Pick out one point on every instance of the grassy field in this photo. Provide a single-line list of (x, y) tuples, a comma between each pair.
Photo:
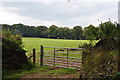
[(30, 43)]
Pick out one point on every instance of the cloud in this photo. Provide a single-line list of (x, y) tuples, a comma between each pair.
[(12, 18), (59, 13), (59, 0)]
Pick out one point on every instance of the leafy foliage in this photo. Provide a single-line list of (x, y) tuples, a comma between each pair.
[(13, 54), (90, 32), (100, 61), (104, 30), (108, 30)]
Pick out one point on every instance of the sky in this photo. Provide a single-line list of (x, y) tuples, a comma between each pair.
[(58, 12)]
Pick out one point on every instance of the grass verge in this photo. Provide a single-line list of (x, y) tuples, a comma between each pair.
[(43, 72)]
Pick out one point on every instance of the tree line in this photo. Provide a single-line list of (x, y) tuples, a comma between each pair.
[(104, 30)]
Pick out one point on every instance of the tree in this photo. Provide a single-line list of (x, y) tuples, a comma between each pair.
[(66, 32), (77, 32), (32, 32), (108, 30), (6, 26), (40, 31), (52, 31), (90, 32), (23, 29)]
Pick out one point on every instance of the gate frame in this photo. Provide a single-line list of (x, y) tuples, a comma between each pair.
[(42, 54)]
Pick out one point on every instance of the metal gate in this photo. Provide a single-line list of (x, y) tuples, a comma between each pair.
[(61, 57)]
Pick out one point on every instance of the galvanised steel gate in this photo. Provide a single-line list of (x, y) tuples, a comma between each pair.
[(61, 57)]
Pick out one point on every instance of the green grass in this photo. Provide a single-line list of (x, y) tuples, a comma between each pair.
[(62, 71), (31, 43), (41, 72), (20, 73)]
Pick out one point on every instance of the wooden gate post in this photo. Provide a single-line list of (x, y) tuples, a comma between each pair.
[(41, 55), (34, 57)]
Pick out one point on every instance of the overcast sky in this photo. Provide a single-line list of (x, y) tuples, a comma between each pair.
[(62, 13)]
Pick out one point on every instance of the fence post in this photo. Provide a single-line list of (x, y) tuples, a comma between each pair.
[(34, 57), (41, 56), (54, 56), (67, 57)]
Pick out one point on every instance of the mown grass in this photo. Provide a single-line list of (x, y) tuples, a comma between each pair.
[(30, 43)]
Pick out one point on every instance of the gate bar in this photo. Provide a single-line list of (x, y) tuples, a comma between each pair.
[(67, 58), (54, 56)]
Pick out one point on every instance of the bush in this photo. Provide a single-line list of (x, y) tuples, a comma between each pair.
[(100, 61), (13, 54)]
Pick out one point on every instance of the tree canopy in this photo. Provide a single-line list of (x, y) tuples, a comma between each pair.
[(104, 30)]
